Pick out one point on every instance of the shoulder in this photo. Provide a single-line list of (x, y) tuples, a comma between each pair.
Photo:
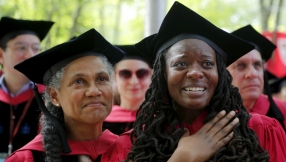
[(261, 120), (21, 156), (119, 150), (24, 154)]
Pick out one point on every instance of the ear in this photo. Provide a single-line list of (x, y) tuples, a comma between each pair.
[(54, 95), (1, 56)]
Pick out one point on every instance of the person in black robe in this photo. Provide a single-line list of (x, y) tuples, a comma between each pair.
[(19, 114)]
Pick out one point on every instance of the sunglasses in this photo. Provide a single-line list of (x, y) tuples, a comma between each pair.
[(140, 74)]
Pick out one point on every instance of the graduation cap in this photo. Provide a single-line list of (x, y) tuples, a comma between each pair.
[(9, 25), (40, 68), (183, 23), (143, 49), (261, 43), (133, 53)]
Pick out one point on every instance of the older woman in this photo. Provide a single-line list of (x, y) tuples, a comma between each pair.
[(190, 85), (79, 95)]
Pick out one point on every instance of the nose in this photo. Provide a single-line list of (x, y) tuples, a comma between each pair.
[(251, 72), (195, 72), (29, 53), (93, 91), (134, 79)]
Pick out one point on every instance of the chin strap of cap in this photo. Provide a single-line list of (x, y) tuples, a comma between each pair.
[(60, 129), (273, 111)]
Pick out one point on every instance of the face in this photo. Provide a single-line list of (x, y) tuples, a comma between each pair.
[(18, 49), (247, 73), (86, 93), (191, 72), (133, 78)]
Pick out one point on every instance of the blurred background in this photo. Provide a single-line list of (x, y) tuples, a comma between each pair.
[(124, 21), (129, 21)]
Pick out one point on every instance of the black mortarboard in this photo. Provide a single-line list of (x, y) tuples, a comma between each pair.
[(143, 48), (261, 43), (9, 25), (182, 23), (43, 66), (132, 53)]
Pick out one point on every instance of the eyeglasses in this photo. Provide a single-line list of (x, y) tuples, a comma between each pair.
[(127, 74), (23, 47)]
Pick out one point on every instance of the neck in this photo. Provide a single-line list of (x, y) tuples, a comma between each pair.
[(83, 132), (14, 85), (248, 103), (188, 116), (130, 105)]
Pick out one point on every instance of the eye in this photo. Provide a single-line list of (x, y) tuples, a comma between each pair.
[(180, 64), (257, 65), (103, 79), (36, 49), (241, 66), (208, 64), (79, 81), (21, 47)]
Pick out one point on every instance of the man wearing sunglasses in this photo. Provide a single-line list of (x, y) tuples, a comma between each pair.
[(132, 78), (19, 114)]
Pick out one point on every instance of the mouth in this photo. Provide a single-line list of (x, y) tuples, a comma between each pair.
[(94, 104), (194, 89)]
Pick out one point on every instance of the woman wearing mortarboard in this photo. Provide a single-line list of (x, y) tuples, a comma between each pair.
[(132, 77), (190, 86), (19, 113)]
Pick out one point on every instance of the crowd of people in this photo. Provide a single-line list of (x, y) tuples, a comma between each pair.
[(190, 92)]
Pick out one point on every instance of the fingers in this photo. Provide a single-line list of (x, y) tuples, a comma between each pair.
[(228, 128), (211, 123), (224, 141), (218, 127)]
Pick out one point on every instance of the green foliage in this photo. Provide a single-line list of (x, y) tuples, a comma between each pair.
[(121, 21)]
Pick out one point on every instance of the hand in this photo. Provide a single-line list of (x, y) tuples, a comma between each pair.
[(202, 145)]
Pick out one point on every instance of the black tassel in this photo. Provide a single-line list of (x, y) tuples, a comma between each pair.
[(273, 111)]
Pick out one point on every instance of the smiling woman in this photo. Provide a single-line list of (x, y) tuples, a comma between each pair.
[(190, 86), (78, 98)]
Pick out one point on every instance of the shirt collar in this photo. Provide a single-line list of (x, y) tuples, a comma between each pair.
[(23, 89)]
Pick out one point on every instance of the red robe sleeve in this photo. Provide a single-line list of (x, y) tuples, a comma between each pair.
[(270, 135)]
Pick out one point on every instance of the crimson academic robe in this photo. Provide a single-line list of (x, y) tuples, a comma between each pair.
[(28, 127), (262, 105), (268, 130), (105, 149), (119, 120)]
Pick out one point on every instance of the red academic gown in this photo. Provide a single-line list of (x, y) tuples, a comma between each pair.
[(268, 130), (27, 128), (105, 148), (119, 120), (262, 105)]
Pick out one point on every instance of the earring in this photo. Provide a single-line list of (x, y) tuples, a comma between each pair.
[(58, 105)]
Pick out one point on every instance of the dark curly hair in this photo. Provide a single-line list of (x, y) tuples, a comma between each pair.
[(153, 141)]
